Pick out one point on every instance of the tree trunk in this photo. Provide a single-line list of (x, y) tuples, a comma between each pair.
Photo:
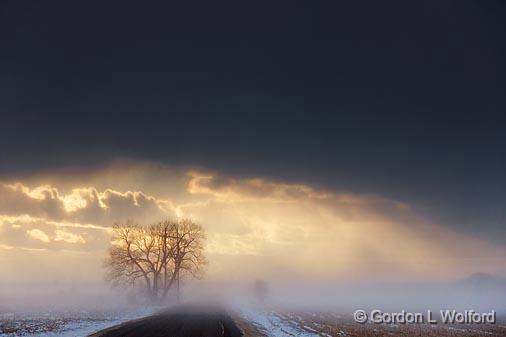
[(169, 285), (178, 289)]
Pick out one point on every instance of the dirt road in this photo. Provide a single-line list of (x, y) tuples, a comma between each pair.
[(179, 322)]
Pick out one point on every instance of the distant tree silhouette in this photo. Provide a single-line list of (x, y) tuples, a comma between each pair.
[(155, 256), (260, 290)]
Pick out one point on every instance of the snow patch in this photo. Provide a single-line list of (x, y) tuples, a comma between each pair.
[(274, 325)]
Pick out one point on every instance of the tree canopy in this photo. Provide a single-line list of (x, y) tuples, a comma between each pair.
[(155, 256)]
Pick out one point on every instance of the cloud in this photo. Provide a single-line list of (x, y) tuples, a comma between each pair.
[(61, 235), (45, 216), (41, 201), (279, 229), (37, 234), (83, 205), (256, 189), (327, 234), (23, 231)]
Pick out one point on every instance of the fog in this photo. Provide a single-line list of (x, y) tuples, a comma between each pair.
[(479, 292), (59, 297)]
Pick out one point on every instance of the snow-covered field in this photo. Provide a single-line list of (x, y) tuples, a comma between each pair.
[(74, 323), (270, 322), (307, 323)]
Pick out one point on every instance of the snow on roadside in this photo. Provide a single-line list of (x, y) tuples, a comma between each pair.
[(272, 324), (70, 324)]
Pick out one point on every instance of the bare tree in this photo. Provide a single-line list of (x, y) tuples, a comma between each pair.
[(188, 251), (155, 256)]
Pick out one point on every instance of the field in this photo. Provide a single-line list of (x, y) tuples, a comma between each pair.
[(73, 323), (314, 323), (254, 322)]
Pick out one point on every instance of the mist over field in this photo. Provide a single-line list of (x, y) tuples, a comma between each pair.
[(481, 292)]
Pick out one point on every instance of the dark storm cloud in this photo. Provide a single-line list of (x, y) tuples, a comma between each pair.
[(400, 99)]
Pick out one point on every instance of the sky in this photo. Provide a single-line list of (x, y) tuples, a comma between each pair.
[(372, 129)]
